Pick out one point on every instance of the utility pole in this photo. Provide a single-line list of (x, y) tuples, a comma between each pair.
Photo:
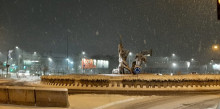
[(67, 52), (7, 65)]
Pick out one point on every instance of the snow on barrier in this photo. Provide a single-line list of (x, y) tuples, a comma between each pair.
[(130, 83), (52, 97)]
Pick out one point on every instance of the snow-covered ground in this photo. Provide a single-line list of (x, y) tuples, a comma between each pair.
[(24, 81), (28, 79), (106, 101)]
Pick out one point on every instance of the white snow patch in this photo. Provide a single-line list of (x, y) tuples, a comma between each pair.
[(117, 102)]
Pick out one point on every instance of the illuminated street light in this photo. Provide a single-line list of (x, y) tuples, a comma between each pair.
[(192, 59), (174, 64), (50, 59), (188, 64), (83, 53), (16, 47), (215, 47), (130, 54), (35, 53), (173, 54)]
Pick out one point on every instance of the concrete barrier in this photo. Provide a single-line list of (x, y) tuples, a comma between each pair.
[(4, 94), (51, 97), (21, 95)]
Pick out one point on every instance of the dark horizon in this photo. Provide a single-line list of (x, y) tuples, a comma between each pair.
[(186, 28)]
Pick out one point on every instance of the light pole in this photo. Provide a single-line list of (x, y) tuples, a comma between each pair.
[(130, 54), (174, 66), (20, 56), (83, 55), (7, 62), (67, 60), (50, 60), (67, 53), (188, 65)]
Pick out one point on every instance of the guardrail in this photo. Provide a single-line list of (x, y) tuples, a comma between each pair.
[(135, 83), (52, 97)]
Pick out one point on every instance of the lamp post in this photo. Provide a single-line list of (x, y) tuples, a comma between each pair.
[(130, 54), (83, 55), (174, 66), (7, 62), (188, 65), (50, 62)]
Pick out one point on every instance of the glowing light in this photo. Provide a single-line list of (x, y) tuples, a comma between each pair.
[(50, 59), (216, 67), (16, 47), (130, 53), (83, 53), (215, 47), (188, 64), (173, 54), (174, 64)]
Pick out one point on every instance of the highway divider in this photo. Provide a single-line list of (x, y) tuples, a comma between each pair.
[(31, 96)]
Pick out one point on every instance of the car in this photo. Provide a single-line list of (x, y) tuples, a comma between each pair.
[(160, 74), (23, 73), (194, 73), (115, 71)]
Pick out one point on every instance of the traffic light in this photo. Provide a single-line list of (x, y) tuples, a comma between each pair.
[(218, 9)]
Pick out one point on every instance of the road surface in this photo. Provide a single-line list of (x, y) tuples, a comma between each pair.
[(171, 102), (106, 101), (114, 101)]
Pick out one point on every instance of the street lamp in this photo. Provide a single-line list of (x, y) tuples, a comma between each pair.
[(16, 47), (130, 54), (188, 65), (173, 54), (83, 53), (82, 61), (192, 59), (215, 47), (50, 59), (174, 65)]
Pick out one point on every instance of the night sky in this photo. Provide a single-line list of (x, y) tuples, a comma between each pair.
[(187, 28)]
